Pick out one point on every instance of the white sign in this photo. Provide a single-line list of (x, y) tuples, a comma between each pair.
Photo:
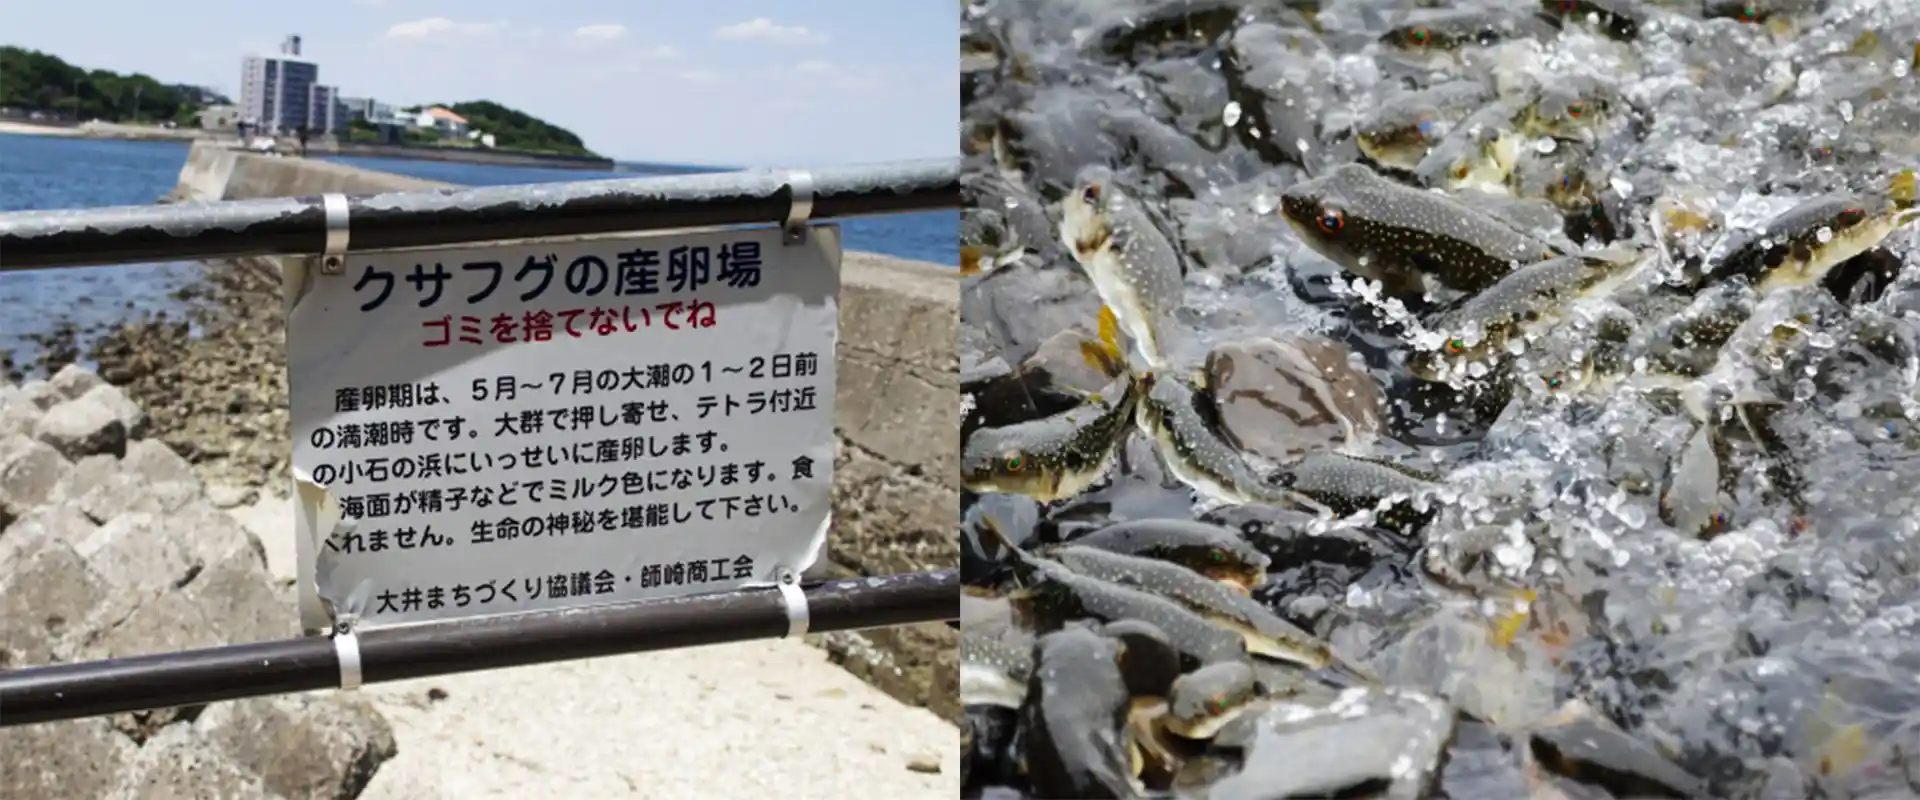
[(550, 425)]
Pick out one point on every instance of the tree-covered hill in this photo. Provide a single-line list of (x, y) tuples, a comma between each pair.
[(513, 129), (34, 81)]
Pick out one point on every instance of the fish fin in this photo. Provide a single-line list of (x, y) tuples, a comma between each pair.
[(1000, 538), (1096, 357), (970, 260), (1109, 331), (1507, 625), (1901, 186)]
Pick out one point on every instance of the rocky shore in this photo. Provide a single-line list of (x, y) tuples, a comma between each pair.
[(219, 398), (110, 547)]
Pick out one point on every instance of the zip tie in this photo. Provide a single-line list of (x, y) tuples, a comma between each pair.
[(332, 259), (795, 602), (800, 183), (347, 647)]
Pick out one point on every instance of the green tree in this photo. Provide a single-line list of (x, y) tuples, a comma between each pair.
[(513, 129), (36, 81)]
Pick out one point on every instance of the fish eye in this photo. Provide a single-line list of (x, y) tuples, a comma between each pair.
[(1576, 110), (1822, 153), (1456, 345), (1553, 381), (1460, 171), (1852, 217), (1015, 462), (1569, 6), (1219, 557), (1217, 706), (1419, 36), (1091, 196), (1332, 220), (1718, 522), (1749, 13)]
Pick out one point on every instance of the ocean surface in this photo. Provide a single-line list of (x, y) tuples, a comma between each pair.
[(40, 172)]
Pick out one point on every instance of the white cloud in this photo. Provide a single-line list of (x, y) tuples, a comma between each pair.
[(432, 27), (606, 31), (765, 30), (699, 76), (813, 67)]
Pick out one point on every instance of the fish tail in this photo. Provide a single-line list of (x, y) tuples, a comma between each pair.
[(1901, 188), (1109, 329)]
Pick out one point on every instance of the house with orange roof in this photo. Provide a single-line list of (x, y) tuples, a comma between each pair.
[(442, 120)]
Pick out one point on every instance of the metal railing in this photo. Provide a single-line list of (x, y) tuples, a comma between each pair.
[(311, 226)]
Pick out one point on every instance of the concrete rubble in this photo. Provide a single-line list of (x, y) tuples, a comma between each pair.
[(111, 547)]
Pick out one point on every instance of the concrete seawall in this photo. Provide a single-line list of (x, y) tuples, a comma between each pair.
[(896, 486)]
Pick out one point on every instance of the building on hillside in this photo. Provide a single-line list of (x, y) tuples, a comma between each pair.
[(442, 121), (224, 118), (276, 92), (373, 111), (325, 112)]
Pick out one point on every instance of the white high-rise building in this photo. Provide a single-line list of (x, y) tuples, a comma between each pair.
[(277, 92)]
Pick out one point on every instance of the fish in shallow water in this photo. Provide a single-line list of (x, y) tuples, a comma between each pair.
[(1196, 455), (1206, 699), (1398, 133), (1575, 108), (1619, 19), (1075, 721), (1347, 484), (1056, 596), (1802, 244), (1052, 457), (1424, 33), (1212, 550), (1127, 257), (993, 671), (1478, 154), (1386, 231), (1488, 326), (1266, 633)]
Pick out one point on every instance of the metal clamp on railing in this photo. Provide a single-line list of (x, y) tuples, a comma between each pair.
[(800, 184), (795, 603), (346, 647), (334, 258)]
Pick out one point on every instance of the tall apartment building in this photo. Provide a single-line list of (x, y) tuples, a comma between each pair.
[(276, 92), (326, 112)]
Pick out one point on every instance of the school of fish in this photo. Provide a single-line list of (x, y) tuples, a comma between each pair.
[(1424, 399)]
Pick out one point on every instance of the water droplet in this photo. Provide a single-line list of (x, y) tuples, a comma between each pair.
[(1545, 145), (1825, 234), (1264, 203), (1011, 203), (1231, 115)]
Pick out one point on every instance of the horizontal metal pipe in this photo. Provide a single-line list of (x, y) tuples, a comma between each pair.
[(293, 226), (195, 677)]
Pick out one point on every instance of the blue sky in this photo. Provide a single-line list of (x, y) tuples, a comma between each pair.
[(736, 82)]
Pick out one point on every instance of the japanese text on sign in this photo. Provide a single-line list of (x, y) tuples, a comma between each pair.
[(609, 420)]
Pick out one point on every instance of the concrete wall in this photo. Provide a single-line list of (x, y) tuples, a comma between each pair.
[(469, 156), (896, 485)]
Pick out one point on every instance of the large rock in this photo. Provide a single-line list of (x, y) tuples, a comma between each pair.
[(41, 394), (49, 600), (84, 426), (303, 746), (74, 380), (178, 763), (29, 472), (76, 760), (18, 413)]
